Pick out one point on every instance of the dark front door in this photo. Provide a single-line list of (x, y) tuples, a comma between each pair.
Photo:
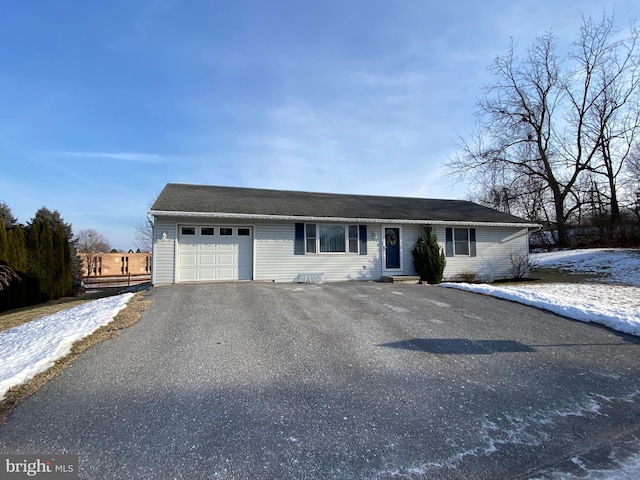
[(392, 247)]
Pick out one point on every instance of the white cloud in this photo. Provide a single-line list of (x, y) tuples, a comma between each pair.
[(121, 156)]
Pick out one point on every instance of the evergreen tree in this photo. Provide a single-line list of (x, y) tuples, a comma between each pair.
[(48, 263), (6, 216), (4, 243), (17, 254), (17, 259), (6, 272), (428, 258), (53, 219), (61, 264), (34, 264)]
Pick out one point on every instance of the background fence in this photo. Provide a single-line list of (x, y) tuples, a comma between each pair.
[(110, 281)]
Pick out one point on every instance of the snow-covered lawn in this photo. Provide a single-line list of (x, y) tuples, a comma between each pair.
[(33, 347), (621, 266), (612, 298)]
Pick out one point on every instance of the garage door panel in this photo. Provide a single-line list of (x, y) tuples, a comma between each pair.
[(226, 259), (227, 273), (188, 274), (207, 260), (214, 256), (207, 274), (188, 260)]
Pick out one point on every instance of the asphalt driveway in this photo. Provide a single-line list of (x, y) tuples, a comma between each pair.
[(350, 380)]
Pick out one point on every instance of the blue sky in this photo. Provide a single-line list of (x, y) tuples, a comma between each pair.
[(103, 103)]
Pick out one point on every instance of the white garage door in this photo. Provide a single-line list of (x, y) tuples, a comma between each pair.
[(214, 253)]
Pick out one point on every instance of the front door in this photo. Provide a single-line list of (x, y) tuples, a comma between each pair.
[(392, 248)]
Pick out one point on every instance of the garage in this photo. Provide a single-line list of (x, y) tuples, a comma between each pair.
[(207, 253)]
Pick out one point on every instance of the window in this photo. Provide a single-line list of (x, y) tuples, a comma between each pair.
[(188, 230), (331, 238), (311, 237), (244, 232), (461, 241), (353, 239), (226, 231), (207, 231), (124, 265)]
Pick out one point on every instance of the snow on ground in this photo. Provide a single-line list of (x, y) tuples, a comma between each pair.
[(612, 265), (33, 347), (616, 306)]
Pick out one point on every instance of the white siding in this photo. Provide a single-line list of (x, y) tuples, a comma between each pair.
[(274, 244), (410, 235), (162, 272), (494, 245), (274, 259)]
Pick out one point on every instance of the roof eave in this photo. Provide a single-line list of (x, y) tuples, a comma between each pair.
[(311, 218)]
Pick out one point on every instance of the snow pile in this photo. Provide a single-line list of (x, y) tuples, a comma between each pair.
[(33, 347), (616, 306)]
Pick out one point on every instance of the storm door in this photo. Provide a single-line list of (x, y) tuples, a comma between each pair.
[(392, 248)]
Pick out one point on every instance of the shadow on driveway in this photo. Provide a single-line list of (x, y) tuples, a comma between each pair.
[(459, 346)]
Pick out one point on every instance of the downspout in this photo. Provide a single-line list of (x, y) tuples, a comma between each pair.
[(153, 246)]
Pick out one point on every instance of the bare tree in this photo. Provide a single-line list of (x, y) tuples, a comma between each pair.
[(632, 182), (609, 66), (7, 274), (516, 135), (90, 244), (143, 235), (143, 230), (552, 119)]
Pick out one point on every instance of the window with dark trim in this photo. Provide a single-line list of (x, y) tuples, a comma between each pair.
[(353, 239), (311, 237), (331, 238), (460, 242)]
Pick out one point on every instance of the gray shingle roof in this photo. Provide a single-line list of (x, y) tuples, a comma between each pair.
[(202, 199)]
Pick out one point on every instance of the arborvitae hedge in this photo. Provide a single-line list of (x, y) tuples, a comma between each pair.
[(4, 243), (42, 256)]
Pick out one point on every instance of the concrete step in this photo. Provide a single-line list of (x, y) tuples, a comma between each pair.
[(401, 278)]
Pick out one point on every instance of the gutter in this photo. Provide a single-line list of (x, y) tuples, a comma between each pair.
[(310, 218)]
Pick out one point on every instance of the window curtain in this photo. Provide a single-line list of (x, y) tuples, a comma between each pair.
[(332, 238)]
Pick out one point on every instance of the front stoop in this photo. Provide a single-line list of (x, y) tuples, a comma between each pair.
[(401, 279)]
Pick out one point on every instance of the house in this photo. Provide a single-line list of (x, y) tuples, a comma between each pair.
[(207, 233)]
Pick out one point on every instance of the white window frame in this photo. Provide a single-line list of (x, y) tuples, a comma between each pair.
[(455, 242), (347, 239)]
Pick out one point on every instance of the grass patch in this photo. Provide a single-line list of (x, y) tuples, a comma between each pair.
[(124, 319)]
